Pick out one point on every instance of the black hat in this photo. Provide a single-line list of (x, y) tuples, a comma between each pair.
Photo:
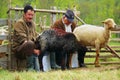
[(70, 15)]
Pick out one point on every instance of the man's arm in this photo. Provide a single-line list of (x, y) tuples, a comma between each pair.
[(20, 32)]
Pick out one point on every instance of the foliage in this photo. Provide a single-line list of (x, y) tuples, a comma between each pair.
[(92, 11), (96, 11), (3, 8)]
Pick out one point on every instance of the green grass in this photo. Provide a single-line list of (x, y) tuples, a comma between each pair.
[(114, 43), (105, 72), (90, 73)]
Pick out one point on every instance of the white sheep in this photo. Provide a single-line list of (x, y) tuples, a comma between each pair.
[(98, 37)]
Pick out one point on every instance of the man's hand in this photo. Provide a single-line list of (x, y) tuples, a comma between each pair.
[(36, 51)]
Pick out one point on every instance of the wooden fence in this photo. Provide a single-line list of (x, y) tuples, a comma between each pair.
[(3, 48), (10, 21)]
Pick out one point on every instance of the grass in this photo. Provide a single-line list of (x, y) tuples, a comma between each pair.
[(114, 43), (105, 72), (90, 73)]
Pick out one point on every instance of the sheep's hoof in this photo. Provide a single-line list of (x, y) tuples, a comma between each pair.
[(62, 68), (83, 65), (97, 65)]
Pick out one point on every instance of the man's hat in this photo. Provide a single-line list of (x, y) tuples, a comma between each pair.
[(70, 15)]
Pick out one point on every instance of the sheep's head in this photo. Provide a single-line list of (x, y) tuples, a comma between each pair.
[(109, 23)]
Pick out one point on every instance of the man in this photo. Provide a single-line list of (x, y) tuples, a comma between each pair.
[(24, 36), (67, 24)]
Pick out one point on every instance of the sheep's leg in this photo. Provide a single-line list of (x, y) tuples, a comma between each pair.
[(97, 64), (81, 54), (97, 56), (69, 58), (63, 61), (40, 61)]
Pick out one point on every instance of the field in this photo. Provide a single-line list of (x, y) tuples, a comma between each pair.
[(105, 72), (108, 72)]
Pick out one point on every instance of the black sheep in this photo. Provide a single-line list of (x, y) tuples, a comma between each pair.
[(50, 41)]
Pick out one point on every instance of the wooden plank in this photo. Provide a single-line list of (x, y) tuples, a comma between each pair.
[(90, 63), (115, 39), (102, 51), (92, 49), (80, 19), (48, 11), (103, 56), (115, 46), (3, 54), (113, 51), (3, 48), (40, 10), (117, 28), (2, 37), (3, 22), (4, 62), (115, 32)]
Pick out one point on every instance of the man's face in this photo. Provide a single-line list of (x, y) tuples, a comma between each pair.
[(29, 15), (66, 21)]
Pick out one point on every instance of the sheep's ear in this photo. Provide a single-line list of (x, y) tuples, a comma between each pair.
[(103, 22)]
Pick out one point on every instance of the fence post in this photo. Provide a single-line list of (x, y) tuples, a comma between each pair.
[(9, 36), (16, 14), (40, 24), (77, 13), (35, 14), (53, 15), (44, 22)]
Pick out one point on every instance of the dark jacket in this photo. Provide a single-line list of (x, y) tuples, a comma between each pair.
[(60, 28)]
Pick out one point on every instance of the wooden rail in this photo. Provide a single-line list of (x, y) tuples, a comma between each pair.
[(3, 48), (102, 51), (3, 22), (48, 11), (90, 63), (101, 56), (39, 10)]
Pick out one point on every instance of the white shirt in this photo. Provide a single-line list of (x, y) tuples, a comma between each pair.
[(67, 27)]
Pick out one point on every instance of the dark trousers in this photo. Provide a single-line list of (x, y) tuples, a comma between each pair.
[(26, 51)]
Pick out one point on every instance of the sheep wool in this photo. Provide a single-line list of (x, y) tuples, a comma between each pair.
[(96, 36)]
